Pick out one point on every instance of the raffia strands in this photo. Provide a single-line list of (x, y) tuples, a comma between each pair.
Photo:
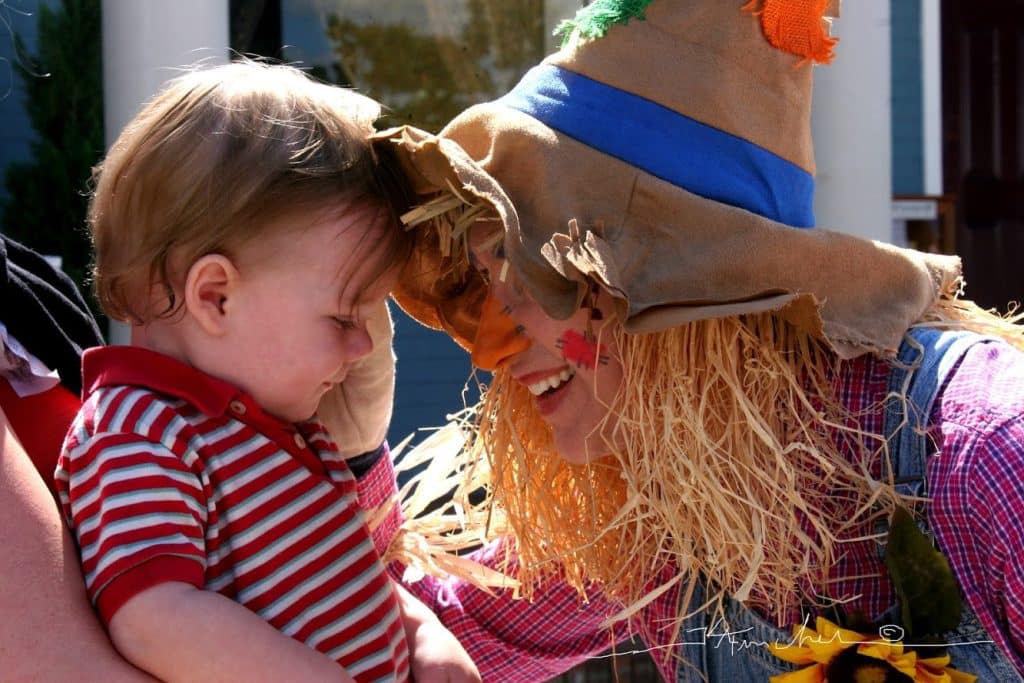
[(552, 507), (431, 538), (449, 215), (737, 468), (748, 435), (951, 312)]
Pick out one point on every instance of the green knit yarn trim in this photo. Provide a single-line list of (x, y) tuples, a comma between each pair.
[(594, 20)]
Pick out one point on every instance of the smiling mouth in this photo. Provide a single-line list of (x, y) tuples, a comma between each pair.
[(551, 383)]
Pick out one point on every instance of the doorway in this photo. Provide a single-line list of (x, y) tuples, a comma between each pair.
[(983, 105)]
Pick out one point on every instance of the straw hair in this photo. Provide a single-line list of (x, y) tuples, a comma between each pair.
[(215, 159), (431, 538), (742, 466), (731, 429)]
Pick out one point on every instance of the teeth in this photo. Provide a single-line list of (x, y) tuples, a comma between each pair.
[(552, 382)]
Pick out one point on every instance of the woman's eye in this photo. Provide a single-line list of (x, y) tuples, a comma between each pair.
[(474, 262)]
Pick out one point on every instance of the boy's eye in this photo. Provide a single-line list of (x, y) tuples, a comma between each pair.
[(345, 323)]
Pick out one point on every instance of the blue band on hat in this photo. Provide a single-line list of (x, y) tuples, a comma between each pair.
[(685, 152)]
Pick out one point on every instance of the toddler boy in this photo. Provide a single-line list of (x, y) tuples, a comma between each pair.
[(244, 226)]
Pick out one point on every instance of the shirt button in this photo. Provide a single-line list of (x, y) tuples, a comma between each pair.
[(237, 407), (299, 441)]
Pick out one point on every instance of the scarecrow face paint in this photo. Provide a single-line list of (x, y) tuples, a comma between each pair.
[(581, 349), (567, 366)]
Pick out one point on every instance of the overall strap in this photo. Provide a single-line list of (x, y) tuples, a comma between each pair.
[(925, 359)]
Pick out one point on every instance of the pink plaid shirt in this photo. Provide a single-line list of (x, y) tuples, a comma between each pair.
[(975, 514)]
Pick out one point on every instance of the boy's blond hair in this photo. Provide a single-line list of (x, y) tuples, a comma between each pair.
[(216, 158)]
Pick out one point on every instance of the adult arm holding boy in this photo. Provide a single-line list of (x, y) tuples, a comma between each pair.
[(179, 632), (46, 324), (193, 624), (43, 587)]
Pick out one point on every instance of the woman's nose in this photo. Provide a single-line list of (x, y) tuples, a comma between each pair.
[(497, 336)]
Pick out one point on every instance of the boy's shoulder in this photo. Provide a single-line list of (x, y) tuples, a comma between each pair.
[(125, 410)]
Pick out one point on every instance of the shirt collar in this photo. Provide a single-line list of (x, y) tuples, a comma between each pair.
[(135, 366)]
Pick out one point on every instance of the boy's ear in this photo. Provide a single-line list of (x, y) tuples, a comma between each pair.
[(210, 281)]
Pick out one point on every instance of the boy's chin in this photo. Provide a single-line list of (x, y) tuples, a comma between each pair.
[(294, 415)]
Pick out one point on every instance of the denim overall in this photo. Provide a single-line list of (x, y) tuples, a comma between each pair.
[(712, 652)]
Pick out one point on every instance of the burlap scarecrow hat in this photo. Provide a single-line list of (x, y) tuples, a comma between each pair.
[(664, 153)]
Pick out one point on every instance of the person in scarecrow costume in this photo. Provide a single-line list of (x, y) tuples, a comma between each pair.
[(709, 419)]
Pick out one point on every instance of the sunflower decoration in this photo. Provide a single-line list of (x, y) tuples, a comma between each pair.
[(839, 655), (929, 603)]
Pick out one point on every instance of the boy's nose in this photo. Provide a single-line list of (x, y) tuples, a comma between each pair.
[(360, 346), (497, 338)]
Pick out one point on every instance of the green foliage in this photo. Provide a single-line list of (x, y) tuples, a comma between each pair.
[(928, 594), (427, 78), (594, 20), (64, 90)]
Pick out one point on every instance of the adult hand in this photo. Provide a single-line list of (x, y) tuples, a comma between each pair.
[(357, 412), (436, 656)]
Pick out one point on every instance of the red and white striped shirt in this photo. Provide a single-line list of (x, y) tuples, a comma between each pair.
[(169, 474)]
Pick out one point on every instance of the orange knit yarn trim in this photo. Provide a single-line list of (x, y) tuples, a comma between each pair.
[(796, 26)]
